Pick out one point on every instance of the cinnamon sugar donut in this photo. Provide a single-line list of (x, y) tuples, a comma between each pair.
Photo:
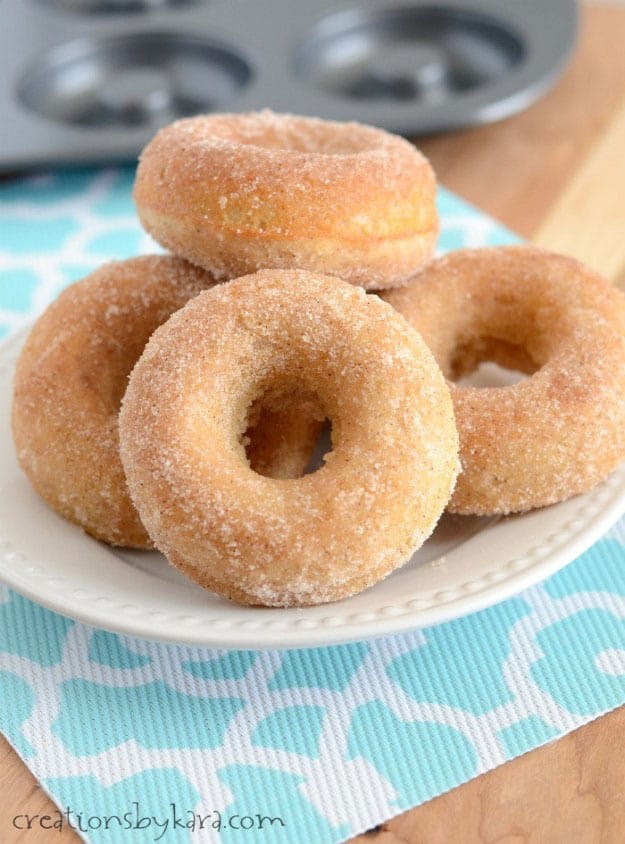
[(326, 535), (560, 431), (70, 378), (235, 193)]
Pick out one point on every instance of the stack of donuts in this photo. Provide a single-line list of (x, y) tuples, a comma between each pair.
[(174, 401)]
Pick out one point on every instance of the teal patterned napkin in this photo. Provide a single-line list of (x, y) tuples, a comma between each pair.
[(140, 741)]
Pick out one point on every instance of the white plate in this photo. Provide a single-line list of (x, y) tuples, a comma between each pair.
[(468, 564)]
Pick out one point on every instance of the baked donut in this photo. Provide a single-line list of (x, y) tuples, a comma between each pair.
[(71, 376), (235, 193), (320, 537), (558, 432)]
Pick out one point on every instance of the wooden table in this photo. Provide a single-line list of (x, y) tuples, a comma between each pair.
[(555, 174)]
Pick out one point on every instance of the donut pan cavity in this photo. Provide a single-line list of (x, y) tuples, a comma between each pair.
[(91, 80)]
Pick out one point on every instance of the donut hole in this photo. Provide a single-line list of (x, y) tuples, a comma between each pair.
[(490, 362), (322, 448), (287, 434)]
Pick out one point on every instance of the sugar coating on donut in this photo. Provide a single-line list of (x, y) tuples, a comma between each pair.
[(560, 431), (70, 379), (238, 193), (320, 537)]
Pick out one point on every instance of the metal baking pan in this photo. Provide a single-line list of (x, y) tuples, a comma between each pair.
[(92, 80)]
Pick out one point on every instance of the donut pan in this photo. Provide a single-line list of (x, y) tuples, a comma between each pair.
[(91, 80)]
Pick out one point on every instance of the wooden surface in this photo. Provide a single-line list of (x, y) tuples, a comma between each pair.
[(556, 174), (516, 170)]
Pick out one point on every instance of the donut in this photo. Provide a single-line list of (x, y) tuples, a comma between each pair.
[(562, 429), (69, 381), (236, 193), (326, 535)]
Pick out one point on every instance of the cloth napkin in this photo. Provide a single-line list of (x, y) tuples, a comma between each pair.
[(140, 741)]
